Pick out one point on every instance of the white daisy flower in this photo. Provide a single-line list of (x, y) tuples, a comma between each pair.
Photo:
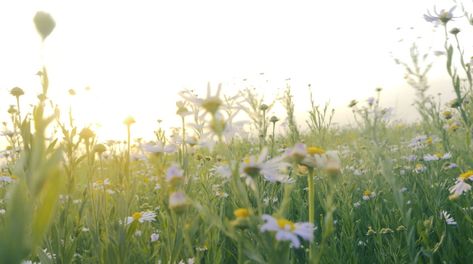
[(270, 170), (430, 157), (448, 219), (287, 230), (459, 188), (460, 185), (367, 195), (439, 17), (141, 217)]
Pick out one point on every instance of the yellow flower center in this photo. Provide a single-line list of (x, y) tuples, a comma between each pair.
[(241, 213), (136, 216), (429, 140), (315, 151), (283, 223), (367, 193), (438, 155), (212, 104), (465, 175)]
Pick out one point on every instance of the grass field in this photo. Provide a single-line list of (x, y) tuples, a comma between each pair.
[(234, 184)]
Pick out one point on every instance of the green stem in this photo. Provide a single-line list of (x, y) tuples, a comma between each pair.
[(310, 183)]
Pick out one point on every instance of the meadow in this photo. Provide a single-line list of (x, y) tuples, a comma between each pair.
[(235, 184)]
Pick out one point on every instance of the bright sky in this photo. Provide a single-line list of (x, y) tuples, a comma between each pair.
[(136, 55)]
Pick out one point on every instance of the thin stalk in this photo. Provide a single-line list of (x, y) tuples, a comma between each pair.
[(310, 183)]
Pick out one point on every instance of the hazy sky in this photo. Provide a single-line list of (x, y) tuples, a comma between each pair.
[(136, 55)]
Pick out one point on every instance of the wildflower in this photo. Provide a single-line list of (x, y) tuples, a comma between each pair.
[(174, 175), (141, 217), (2, 211), (315, 158), (467, 175), (357, 204), (129, 121), (178, 202), (454, 31), (263, 107), (6, 179), (100, 148), (241, 213), (241, 218), (287, 230), (367, 195), (448, 219), (419, 168), (430, 157), (17, 92), (253, 166), (439, 17), (101, 184), (274, 119), (154, 237), (370, 101), (182, 109), (296, 153), (449, 166), (86, 133), (460, 185), (211, 104)]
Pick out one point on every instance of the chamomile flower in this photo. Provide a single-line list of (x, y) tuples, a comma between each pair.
[(368, 195), (460, 185), (145, 216), (211, 103), (287, 230), (439, 17), (448, 219), (270, 169)]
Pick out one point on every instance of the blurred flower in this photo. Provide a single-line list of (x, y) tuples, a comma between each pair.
[(448, 219), (270, 169), (439, 17), (17, 92), (460, 185), (211, 103), (129, 121), (241, 213), (141, 217), (174, 175), (367, 195), (178, 202), (287, 230), (154, 237)]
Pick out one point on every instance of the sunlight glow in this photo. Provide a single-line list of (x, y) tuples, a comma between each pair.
[(136, 56)]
